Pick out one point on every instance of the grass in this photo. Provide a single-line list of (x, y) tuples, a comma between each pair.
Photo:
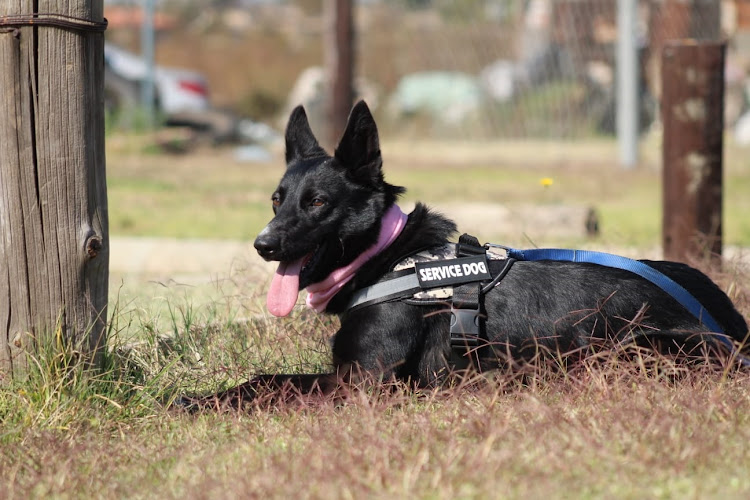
[(610, 427), (613, 428), (210, 195)]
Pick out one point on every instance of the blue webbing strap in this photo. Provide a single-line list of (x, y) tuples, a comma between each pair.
[(645, 271)]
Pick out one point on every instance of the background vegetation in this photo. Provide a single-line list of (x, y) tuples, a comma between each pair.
[(209, 194)]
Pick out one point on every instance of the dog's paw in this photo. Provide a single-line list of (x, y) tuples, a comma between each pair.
[(190, 404)]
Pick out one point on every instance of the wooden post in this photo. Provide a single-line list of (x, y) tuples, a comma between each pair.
[(693, 115), (54, 237), (339, 52)]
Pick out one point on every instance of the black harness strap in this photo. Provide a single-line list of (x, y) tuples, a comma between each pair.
[(393, 286), (467, 324), (467, 316), (469, 274)]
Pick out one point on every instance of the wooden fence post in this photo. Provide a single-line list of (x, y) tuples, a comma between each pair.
[(339, 53), (693, 115), (54, 235)]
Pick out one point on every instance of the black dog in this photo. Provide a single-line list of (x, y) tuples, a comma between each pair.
[(337, 230)]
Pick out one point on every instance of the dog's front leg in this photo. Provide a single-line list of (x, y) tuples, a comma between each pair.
[(268, 389), (386, 342)]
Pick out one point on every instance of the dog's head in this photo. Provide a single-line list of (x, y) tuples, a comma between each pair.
[(327, 209)]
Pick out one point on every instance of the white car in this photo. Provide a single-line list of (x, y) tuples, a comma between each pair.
[(175, 90)]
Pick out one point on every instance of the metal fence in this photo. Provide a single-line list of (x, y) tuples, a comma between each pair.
[(528, 68)]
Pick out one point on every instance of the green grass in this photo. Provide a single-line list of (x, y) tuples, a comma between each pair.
[(210, 195), (609, 428), (203, 196)]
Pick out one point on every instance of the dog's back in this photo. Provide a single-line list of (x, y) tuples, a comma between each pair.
[(700, 286), (563, 306)]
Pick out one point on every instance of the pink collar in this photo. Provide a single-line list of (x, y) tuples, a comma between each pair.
[(320, 294)]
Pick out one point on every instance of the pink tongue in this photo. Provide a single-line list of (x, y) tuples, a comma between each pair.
[(282, 296)]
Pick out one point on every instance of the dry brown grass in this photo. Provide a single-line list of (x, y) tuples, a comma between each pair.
[(606, 431), (613, 426)]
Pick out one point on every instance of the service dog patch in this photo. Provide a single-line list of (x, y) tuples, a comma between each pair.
[(452, 271)]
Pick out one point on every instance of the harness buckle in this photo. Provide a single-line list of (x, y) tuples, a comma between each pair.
[(465, 327), (464, 337), (469, 245)]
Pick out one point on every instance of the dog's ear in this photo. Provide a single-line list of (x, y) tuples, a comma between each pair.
[(359, 148), (300, 141)]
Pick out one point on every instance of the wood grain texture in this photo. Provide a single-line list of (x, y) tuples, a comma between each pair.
[(53, 214)]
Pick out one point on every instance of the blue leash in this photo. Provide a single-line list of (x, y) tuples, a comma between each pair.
[(645, 271)]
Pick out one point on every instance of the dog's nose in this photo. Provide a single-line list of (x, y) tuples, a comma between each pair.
[(267, 245)]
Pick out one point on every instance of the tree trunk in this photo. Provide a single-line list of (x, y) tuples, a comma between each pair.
[(54, 236)]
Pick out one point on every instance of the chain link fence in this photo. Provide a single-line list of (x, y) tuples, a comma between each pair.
[(466, 69), (528, 68)]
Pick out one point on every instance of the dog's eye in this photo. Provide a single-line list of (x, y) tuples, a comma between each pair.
[(276, 200), (317, 202)]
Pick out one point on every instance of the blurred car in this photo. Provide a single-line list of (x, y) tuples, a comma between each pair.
[(180, 97), (176, 91)]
